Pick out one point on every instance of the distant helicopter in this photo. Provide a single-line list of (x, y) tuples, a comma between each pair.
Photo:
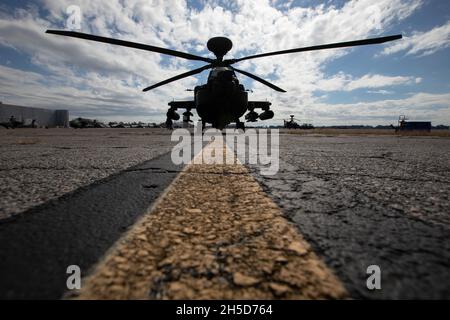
[(82, 123), (222, 100), (292, 124)]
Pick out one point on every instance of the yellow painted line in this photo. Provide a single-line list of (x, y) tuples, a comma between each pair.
[(214, 234)]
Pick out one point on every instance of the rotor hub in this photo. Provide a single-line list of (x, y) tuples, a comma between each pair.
[(219, 46)]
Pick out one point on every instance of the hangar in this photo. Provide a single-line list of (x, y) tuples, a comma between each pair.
[(405, 125), (26, 115)]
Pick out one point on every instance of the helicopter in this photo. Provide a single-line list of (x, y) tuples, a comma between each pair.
[(292, 124), (82, 123), (223, 99)]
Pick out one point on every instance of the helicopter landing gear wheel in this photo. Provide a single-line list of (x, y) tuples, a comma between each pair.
[(240, 125), (203, 124), (169, 124)]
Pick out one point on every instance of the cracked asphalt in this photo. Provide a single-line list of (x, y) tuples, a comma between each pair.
[(39, 165), (365, 200)]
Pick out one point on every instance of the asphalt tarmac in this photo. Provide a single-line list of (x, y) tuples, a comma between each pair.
[(76, 196), (371, 200), (38, 165)]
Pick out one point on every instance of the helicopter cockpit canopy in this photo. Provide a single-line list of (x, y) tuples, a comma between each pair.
[(225, 73)]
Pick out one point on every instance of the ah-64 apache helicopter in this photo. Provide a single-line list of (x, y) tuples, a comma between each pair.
[(222, 100)]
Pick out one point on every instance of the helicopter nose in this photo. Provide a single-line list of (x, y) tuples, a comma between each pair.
[(227, 75), (223, 87)]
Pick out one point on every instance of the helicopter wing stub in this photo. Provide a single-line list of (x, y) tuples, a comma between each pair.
[(129, 44), (178, 77), (190, 104), (267, 83), (323, 46), (258, 105)]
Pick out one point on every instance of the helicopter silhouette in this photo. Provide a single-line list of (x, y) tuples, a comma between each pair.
[(223, 99)]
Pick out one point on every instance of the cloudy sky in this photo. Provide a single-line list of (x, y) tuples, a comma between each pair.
[(364, 85)]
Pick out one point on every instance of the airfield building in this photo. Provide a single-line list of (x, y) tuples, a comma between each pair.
[(405, 125), (42, 117)]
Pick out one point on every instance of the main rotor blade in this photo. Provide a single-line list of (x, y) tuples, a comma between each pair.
[(248, 74), (325, 46), (178, 77), (129, 44)]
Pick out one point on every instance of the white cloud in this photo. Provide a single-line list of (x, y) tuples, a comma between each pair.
[(378, 81), (345, 82), (383, 92), (422, 43)]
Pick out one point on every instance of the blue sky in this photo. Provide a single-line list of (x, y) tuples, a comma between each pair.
[(365, 85)]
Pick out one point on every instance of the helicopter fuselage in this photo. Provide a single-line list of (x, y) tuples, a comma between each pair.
[(222, 99)]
